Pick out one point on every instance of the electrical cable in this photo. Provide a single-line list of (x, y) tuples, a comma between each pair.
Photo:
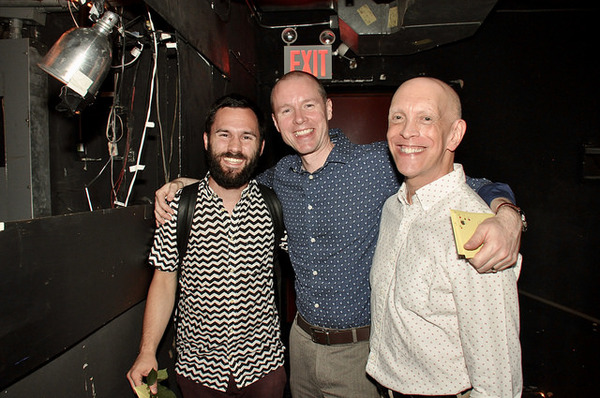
[(137, 166), (71, 12), (159, 123)]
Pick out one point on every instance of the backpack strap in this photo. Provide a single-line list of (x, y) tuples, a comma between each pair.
[(276, 212), (275, 209), (185, 214)]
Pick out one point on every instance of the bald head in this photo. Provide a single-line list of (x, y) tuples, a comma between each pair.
[(424, 130), (309, 79), (446, 98)]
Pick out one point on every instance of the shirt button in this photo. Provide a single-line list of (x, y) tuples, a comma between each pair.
[(310, 177), (315, 272), (316, 305), (313, 240), (310, 207)]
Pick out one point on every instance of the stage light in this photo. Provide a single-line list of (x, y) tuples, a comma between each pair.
[(289, 35), (81, 59), (327, 37)]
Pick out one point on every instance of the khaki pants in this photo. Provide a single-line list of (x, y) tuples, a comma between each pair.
[(318, 370)]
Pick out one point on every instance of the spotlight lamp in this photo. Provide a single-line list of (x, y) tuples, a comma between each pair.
[(289, 35), (327, 37), (81, 59)]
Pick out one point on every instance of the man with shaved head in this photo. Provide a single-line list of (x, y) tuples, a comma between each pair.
[(439, 329)]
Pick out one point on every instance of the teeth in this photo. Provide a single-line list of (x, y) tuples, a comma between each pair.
[(302, 132), (411, 149), (234, 160)]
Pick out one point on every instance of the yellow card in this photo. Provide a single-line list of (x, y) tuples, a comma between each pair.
[(464, 225)]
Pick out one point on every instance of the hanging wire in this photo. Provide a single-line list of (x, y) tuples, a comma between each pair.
[(71, 12), (138, 166)]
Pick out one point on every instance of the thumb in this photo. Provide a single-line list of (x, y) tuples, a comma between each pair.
[(154, 388), (475, 241)]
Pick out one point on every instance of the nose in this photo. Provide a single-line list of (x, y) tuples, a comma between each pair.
[(409, 129), (299, 117), (235, 144)]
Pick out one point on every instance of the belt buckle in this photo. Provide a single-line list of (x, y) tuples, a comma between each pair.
[(324, 331)]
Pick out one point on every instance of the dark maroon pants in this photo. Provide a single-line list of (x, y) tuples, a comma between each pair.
[(270, 386)]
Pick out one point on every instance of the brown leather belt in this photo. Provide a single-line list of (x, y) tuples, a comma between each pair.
[(327, 336), (400, 395)]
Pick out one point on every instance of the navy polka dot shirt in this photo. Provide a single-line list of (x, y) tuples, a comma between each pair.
[(332, 220)]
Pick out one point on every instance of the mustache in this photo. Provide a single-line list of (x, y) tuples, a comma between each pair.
[(232, 155)]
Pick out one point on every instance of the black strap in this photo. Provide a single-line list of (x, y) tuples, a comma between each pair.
[(185, 214), (275, 209)]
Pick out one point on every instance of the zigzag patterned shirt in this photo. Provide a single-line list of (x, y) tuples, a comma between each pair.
[(227, 318)]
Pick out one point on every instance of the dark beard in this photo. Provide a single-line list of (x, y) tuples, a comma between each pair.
[(226, 178)]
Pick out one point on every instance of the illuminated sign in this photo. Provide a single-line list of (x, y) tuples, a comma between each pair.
[(312, 59)]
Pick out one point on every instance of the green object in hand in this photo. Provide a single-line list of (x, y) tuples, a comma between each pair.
[(143, 390)]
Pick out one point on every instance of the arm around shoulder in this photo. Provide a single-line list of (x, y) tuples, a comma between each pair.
[(164, 195)]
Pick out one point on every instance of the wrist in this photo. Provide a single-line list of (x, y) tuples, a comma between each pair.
[(517, 210)]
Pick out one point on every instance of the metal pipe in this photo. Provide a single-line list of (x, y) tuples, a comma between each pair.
[(34, 3), (16, 27)]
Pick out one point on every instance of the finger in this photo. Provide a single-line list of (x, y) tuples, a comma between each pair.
[(134, 381), (485, 259), (158, 218), (154, 388)]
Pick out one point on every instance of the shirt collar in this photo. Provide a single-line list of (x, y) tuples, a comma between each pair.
[(427, 196)]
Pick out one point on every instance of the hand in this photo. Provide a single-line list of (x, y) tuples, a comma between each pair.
[(165, 194), (501, 239), (143, 364)]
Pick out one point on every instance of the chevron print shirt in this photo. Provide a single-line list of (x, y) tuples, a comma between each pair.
[(228, 322)]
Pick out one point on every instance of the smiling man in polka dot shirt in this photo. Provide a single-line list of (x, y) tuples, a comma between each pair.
[(438, 327), (332, 192)]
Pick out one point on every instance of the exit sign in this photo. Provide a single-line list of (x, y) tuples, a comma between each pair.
[(312, 59)]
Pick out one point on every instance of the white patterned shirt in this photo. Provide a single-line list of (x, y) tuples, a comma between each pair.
[(227, 318), (439, 327)]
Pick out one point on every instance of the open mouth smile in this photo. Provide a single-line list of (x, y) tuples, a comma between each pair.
[(410, 149), (304, 132)]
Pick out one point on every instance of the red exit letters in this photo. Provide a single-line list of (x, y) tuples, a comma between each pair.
[(312, 59)]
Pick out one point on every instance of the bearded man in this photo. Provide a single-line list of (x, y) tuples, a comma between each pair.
[(228, 336)]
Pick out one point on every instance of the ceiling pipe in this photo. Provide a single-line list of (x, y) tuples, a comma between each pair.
[(35, 4)]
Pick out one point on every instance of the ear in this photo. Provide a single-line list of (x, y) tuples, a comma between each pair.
[(275, 122), (206, 140), (262, 147), (329, 108), (457, 132)]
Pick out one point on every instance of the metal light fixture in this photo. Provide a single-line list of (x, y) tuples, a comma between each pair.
[(81, 59), (289, 35), (341, 52), (327, 37)]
